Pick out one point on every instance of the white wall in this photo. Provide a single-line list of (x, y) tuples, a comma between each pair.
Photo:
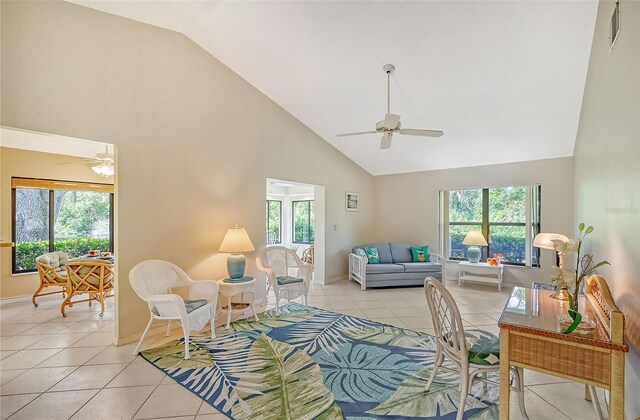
[(407, 204), (195, 141), (607, 172)]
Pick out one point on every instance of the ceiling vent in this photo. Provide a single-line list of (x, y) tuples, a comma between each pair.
[(614, 26)]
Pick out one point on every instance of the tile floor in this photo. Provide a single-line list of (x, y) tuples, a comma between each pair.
[(67, 368)]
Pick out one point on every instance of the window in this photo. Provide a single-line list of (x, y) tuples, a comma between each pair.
[(49, 216), (303, 222), (508, 216), (274, 222)]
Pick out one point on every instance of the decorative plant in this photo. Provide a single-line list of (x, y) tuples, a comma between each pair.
[(584, 267)]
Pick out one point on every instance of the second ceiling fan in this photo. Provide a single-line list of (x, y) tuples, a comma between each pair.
[(391, 122)]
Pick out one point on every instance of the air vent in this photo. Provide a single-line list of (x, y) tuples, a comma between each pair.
[(614, 27)]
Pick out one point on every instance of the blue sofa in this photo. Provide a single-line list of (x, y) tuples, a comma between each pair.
[(396, 267)]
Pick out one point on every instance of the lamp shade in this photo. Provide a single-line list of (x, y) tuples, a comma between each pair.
[(544, 240), (474, 238), (236, 240)]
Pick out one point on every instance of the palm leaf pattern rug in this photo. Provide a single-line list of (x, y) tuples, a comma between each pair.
[(309, 363)]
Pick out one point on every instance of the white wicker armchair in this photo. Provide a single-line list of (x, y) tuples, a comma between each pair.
[(286, 273), (153, 280)]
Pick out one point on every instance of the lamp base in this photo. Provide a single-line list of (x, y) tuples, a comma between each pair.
[(236, 264), (561, 294), (473, 254)]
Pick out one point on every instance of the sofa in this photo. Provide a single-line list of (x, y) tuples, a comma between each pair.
[(396, 266)]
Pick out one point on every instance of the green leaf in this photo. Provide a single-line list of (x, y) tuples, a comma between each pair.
[(411, 399), (171, 356), (271, 319), (386, 334), (581, 227), (589, 230), (286, 383)]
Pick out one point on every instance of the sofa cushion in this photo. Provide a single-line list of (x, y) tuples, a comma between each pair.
[(419, 267), (384, 268), (400, 252), (420, 254), (373, 257), (383, 251)]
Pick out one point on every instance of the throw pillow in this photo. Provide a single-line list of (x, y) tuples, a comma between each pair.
[(360, 253), (372, 255), (420, 253)]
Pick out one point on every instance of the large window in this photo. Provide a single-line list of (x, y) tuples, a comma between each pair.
[(48, 216), (508, 216), (274, 222), (303, 222)]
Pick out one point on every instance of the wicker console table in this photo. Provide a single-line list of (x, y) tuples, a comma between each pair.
[(529, 338)]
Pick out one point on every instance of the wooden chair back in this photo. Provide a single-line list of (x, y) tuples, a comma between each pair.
[(90, 276), (597, 292), (446, 318)]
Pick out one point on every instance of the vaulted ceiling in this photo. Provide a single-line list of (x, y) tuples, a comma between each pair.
[(503, 79)]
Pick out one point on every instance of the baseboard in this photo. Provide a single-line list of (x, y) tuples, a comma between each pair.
[(16, 298), (136, 337), (336, 279)]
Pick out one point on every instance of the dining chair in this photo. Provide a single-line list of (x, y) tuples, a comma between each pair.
[(52, 272), (90, 277), (153, 281), (476, 353), (286, 273)]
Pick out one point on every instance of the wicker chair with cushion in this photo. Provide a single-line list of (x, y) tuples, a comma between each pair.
[(475, 353), (153, 280), (286, 273), (52, 272), (92, 277)]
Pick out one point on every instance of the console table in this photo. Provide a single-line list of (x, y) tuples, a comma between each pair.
[(480, 272), (530, 338)]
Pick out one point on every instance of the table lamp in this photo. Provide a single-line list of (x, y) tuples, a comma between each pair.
[(235, 241), (545, 241), (474, 239)]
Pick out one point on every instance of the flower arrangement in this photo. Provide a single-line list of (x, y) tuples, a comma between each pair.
[(584, 267)]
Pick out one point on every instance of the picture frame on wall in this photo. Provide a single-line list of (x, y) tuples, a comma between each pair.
[(352, 202)]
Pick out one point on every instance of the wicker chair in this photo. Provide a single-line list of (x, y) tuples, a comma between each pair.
[(52, 272), (458, 347), (90, 277), (286, 273), (153, 280)]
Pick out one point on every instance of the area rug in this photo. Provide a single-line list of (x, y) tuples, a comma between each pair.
[(308, 363)]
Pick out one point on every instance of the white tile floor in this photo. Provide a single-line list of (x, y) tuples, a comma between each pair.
[(66, 368)]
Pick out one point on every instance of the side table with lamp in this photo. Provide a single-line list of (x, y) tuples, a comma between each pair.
[(236, 241), (474, 239)]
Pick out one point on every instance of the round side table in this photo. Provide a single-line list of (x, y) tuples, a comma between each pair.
[(229, 289)]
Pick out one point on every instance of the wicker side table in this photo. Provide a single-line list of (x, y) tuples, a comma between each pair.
[(229, 289)]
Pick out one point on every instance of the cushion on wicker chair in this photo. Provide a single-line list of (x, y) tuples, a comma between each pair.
[(483, 347), (282, 280), (190, 305)]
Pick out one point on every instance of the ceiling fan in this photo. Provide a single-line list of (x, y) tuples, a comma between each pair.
[(102, 164), (391, 122)]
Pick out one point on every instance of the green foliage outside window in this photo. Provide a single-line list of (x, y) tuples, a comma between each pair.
[(303, 221), (274, 221), (27, 252)]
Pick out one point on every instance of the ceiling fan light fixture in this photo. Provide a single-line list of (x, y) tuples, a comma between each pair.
[(103, 169)]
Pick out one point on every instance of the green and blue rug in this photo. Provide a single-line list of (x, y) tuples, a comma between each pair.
[(309, 363)]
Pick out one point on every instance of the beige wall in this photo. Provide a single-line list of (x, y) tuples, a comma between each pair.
[(607, 171), (28, 164), (407, 204), (195, 142)]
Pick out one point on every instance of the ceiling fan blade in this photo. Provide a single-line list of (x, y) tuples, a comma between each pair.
[(425, 133), (391, 121), (385, 143), (79, 162), (355, 134)]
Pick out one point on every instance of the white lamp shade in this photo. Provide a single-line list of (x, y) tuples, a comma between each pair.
[(544, 240), (474, 238), (236, 240)]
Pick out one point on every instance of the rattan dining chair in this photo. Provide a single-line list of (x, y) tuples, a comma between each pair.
[(52, 272), (286, 273), (153, 280), (92, 277), (473, 360)]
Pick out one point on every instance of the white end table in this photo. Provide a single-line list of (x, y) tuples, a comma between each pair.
[(229, 290), (480, 272)]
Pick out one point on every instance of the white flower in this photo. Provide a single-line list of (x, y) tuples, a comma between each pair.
[(565, 247)]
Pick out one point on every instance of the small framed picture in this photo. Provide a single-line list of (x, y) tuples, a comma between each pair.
[(351, 201)]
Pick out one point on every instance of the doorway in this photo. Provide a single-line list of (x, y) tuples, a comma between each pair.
[(295, 218)]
